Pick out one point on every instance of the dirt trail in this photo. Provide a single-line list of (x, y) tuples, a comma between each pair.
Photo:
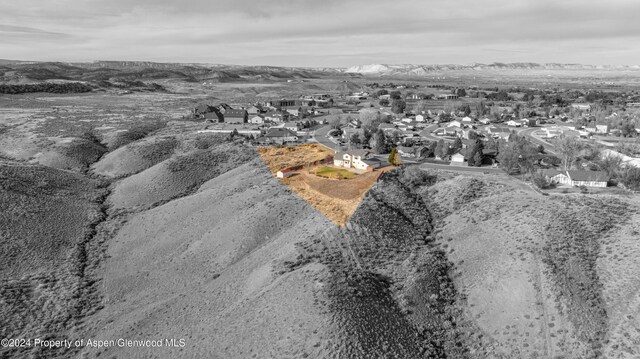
[(541, 300)]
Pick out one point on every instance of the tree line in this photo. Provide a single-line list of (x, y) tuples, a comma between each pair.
[(67, 87)]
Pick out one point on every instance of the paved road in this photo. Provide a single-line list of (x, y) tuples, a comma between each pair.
[(427, 165), (518, 184), (427, 133), (320, 135), (528, 132)]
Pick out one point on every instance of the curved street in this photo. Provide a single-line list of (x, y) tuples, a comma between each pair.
[(528, 133)]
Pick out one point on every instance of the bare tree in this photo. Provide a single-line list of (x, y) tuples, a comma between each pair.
[(568, 149)]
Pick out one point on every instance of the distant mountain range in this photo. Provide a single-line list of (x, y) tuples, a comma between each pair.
[(417, 70), (24, 71), (15, 71)]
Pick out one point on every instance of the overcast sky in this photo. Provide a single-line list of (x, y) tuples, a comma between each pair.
[(333, 33)]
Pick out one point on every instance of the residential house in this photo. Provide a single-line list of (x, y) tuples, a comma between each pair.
[(499, 132), (281, 103), (528, 122), (355, 123), (418, 96), (578, 177), (581, 106), (255, 110), (256, 119), (602, 127), (293, 126), (421, 118), (214, 115), (557, 177), (295, 112), (513, 123), (406, 151), (446, 96), (485, 121), (455, 123), (588, 178), (453, 131), (467, 121), (236, 116), (280, 136), (553, 132), (223, 107), (358, 159), (387, 127), (459, 156), (276, 117)]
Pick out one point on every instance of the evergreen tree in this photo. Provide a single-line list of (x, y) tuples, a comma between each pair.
[(379, 142), (392, 157)]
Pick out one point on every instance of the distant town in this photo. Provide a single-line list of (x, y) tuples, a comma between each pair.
[(553, 138)]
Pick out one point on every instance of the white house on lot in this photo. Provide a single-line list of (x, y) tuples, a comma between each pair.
[(588, 178), (485, 121), (554, 132), (257, 119), (358, 159), (455, 123), (293, 126), (420, 118), (280, 136), (602, 127), (513, 123), (581, 106), (276, 117), (458, 157), (578, 177), (467, 121), (254, 110)]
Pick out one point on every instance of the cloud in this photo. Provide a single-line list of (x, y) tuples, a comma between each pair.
[(297, 32), (9, 30)]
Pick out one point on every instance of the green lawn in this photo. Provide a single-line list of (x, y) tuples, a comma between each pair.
[(331, 172)]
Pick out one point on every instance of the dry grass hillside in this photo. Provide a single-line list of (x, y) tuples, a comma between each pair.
[(47, 217), (244, 268), (178, 175), (202, 268), (537, 271), (43, 212), (136, 156)]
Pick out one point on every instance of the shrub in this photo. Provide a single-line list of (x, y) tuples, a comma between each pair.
[(630, 178), (540, 180), (414, 177)]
